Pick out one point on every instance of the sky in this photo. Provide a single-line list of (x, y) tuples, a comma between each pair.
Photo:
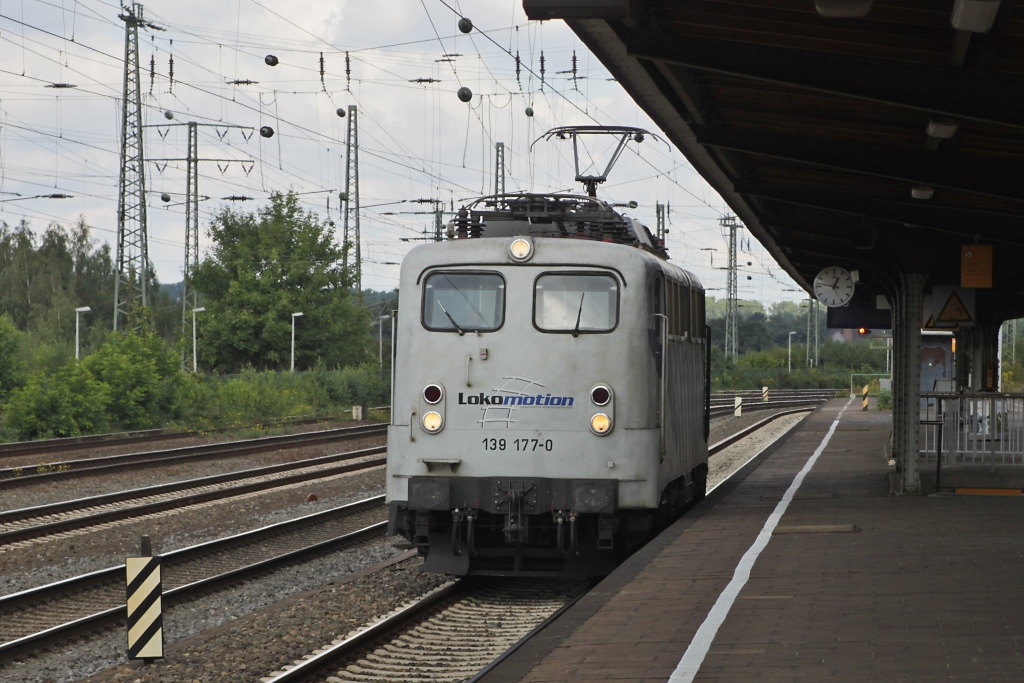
[(400, 62)]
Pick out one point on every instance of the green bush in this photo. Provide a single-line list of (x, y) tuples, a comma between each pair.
[(253, 396), (884, 399), (69, 403), (143, 378)]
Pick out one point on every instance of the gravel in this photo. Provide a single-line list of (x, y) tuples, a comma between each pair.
[(146, 475), (196, 439), (725, 426), (729, 459), (77, 552), (260, 629)]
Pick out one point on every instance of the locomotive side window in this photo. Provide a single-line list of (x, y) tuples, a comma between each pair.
[(463, 302), (576, 302), (677, 298), (697, 313)]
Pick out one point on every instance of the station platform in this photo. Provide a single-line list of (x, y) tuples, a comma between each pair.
[(835, 580)]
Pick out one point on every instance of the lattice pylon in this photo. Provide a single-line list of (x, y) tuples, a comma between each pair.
[(732, 293), (189, 294), (130, 287), (351, 243)]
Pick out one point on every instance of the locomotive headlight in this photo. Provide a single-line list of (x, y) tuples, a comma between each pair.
[(521, 249), (432, 422), (600, 424)]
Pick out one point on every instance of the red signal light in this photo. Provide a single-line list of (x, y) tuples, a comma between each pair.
[(863, 330)]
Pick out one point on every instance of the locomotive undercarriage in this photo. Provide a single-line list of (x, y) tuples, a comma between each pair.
[(531, 526)]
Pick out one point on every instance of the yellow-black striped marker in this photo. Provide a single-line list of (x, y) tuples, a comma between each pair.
[(764, 393), (864, 402), (145, 619)]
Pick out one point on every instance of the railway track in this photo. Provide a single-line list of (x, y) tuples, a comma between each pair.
[(155, 435), (49, 614), (21, 476), (55, 518), (743, 433), (74, 443), (450, 634), (720, 408), (499, 615), (457, 632)]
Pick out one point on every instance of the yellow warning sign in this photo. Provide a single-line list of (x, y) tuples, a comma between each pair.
[(954, 311)]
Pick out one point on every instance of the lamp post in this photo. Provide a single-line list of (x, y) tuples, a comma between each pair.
[(294, 316), (789, 354), (78, 312), (195, 363)]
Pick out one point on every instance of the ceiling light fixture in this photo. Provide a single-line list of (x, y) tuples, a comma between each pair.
[(922, 192), (943, 130), (842, 8), (975, 16)]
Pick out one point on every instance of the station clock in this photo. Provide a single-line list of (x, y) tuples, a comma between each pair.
[(833, 286)]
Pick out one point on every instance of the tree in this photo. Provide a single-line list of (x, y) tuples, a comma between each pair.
[(262, 268), (11, 367), (43, 280)]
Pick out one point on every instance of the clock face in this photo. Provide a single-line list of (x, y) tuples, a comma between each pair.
[(834, 286)]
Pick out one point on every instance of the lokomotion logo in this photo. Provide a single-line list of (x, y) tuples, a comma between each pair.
[(537, 401)]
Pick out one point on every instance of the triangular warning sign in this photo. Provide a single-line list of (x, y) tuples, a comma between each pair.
[(954, 311), (930, 323)]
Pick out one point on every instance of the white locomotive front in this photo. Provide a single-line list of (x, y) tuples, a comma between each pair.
[(549, 403)]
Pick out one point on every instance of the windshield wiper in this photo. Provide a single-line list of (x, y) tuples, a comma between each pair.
[(468, 302), (454, 324), (579, 314)]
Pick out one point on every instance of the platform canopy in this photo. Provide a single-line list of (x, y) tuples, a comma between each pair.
[(884, 142)]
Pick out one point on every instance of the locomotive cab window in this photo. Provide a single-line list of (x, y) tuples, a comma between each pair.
[(463, 302), (576, 303)]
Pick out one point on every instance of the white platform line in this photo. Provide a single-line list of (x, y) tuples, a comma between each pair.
[(694, 656)]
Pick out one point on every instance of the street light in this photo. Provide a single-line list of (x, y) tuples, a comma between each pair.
[(195, 364), (790, 352), (294, 316), (78, 311)]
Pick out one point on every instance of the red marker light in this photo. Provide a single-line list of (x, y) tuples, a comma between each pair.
[(432, 394)]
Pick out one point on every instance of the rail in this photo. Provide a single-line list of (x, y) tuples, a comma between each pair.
[(113, 439), (972, 429), (19, 476), (55, 594)]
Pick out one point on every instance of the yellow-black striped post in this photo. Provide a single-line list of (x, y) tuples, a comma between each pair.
[(864, 400), (145, 618), (764, 393)]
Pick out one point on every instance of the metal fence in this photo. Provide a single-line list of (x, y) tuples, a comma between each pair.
[(973, 429)]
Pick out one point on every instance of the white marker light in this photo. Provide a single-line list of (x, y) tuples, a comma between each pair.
[(432, 422), (601, 424), (520, 249)]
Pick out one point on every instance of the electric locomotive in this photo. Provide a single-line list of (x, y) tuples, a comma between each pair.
[(550, 396)]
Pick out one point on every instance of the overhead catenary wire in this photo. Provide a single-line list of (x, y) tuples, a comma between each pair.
[(385, 148)]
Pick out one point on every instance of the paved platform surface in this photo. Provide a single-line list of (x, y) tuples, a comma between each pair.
[(852, 585)]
